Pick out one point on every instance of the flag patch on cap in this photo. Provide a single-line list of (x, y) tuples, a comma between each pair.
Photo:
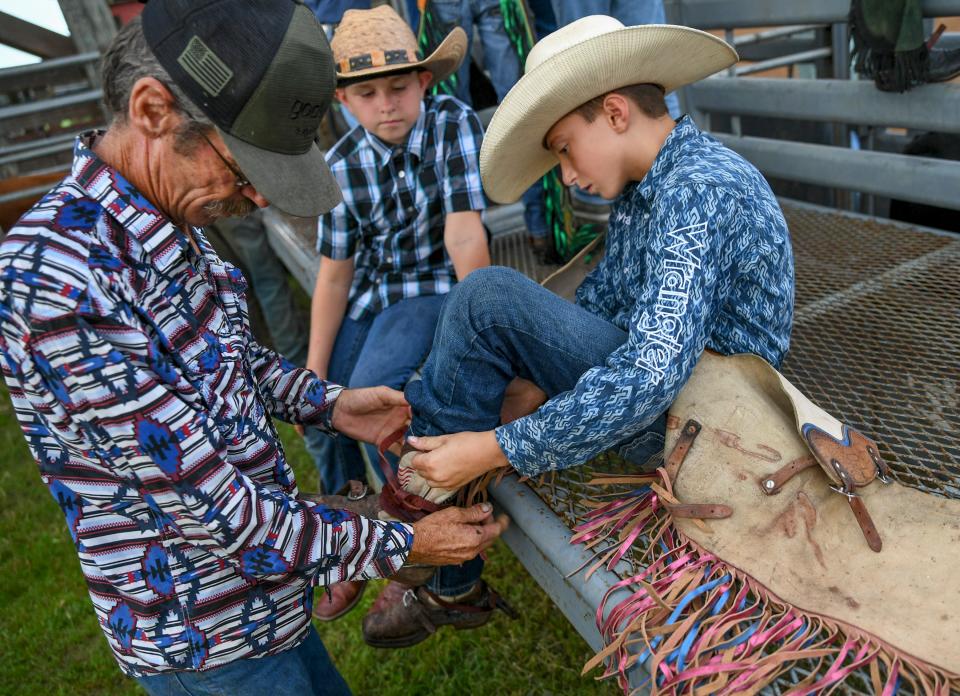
[(205, 66)]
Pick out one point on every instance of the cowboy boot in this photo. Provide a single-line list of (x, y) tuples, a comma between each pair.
[(400, 620), (944, 64), (338, 599)]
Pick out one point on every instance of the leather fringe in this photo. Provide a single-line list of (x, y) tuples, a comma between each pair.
[(702, 627), (874, 58)]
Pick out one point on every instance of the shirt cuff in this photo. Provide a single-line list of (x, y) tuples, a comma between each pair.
[(524, 456), (321, 396), (395, 543)]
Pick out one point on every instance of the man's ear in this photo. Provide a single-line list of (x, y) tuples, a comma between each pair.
[(617, 111), (152, 109)]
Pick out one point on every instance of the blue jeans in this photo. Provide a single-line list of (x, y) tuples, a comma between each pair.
[(499, 57), (300, 671), (630, 12), (270, 284), (383, 349), (503, 64), (496, 325)]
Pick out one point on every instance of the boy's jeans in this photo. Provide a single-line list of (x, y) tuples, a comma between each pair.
[(630, 12), (496, 325), (300, 671), (384, 349)]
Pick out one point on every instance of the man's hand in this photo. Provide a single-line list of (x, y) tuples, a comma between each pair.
[(521, 398), (451, 461), (370, 414), (455, 535)]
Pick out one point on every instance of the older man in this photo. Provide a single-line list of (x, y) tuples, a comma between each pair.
[(143, 396)]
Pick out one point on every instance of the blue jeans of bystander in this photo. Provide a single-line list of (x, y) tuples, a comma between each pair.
[(500, 59), (271, 286), (385, 349)]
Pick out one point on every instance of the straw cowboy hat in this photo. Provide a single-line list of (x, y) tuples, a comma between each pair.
[(571, 66), (375, 43)]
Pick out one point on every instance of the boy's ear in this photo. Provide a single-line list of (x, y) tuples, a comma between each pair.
[(341, 94), (617, 111), (424, 76)]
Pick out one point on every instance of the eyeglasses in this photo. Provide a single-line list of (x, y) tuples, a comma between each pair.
[(241, 179)]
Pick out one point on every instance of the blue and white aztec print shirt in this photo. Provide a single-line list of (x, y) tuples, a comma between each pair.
[(698, 256), (395, 202), (146, 403)]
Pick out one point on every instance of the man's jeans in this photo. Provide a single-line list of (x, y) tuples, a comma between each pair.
[(384, 349), (300, 671), (630, 12), (496, 325)]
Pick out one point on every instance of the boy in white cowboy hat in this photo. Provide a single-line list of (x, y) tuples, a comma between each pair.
[(408, 228), (698, 257)]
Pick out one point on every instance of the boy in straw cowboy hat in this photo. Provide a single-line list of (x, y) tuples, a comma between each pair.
[(698, 257), (408, 228)]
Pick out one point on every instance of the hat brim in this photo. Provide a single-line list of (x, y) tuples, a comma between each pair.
[(512, 156), (300, 185), (442, 63)]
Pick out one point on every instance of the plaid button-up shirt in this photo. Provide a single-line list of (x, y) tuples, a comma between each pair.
[(146, 403), (395, 202)]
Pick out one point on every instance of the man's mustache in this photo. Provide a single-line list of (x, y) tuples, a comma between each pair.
[(229, 208)]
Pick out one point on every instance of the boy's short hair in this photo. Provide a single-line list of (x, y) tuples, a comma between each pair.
[(648, 97)]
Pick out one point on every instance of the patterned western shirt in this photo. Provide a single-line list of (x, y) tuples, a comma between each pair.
[(698, 256), (395, 202), (146, 403)]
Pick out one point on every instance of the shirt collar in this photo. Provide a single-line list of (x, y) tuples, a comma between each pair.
[(163, 241), (413, 144), (666, 159)]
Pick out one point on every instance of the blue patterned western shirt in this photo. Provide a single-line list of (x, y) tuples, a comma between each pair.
[(147, 405), (395, 202), (698, 256)]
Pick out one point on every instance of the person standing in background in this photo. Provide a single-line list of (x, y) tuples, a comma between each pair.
[(631, 12)]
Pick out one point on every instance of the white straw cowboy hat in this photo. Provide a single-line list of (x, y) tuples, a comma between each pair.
[(571, 66), (376, 43)]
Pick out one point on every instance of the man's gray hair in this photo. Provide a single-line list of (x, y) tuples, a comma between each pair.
[(128, 59)]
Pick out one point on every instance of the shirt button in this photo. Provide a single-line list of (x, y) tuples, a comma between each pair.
[(402, 174)]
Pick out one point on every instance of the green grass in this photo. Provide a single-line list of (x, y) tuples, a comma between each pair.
[(50, 642)]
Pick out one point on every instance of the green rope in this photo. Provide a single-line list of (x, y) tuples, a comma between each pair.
[(517, 28), (568, 239), (429, 35)]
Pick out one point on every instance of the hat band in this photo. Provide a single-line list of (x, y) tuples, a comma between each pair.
[(376, 59)]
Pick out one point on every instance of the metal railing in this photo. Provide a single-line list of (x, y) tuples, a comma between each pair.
[(845, 103)]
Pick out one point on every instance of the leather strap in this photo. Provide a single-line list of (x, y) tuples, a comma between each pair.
[(870, 532), (703, 511), (679, 452), (771, 485), (492, 600)]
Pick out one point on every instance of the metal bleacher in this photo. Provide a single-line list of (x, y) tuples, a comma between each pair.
[(876, 339)]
